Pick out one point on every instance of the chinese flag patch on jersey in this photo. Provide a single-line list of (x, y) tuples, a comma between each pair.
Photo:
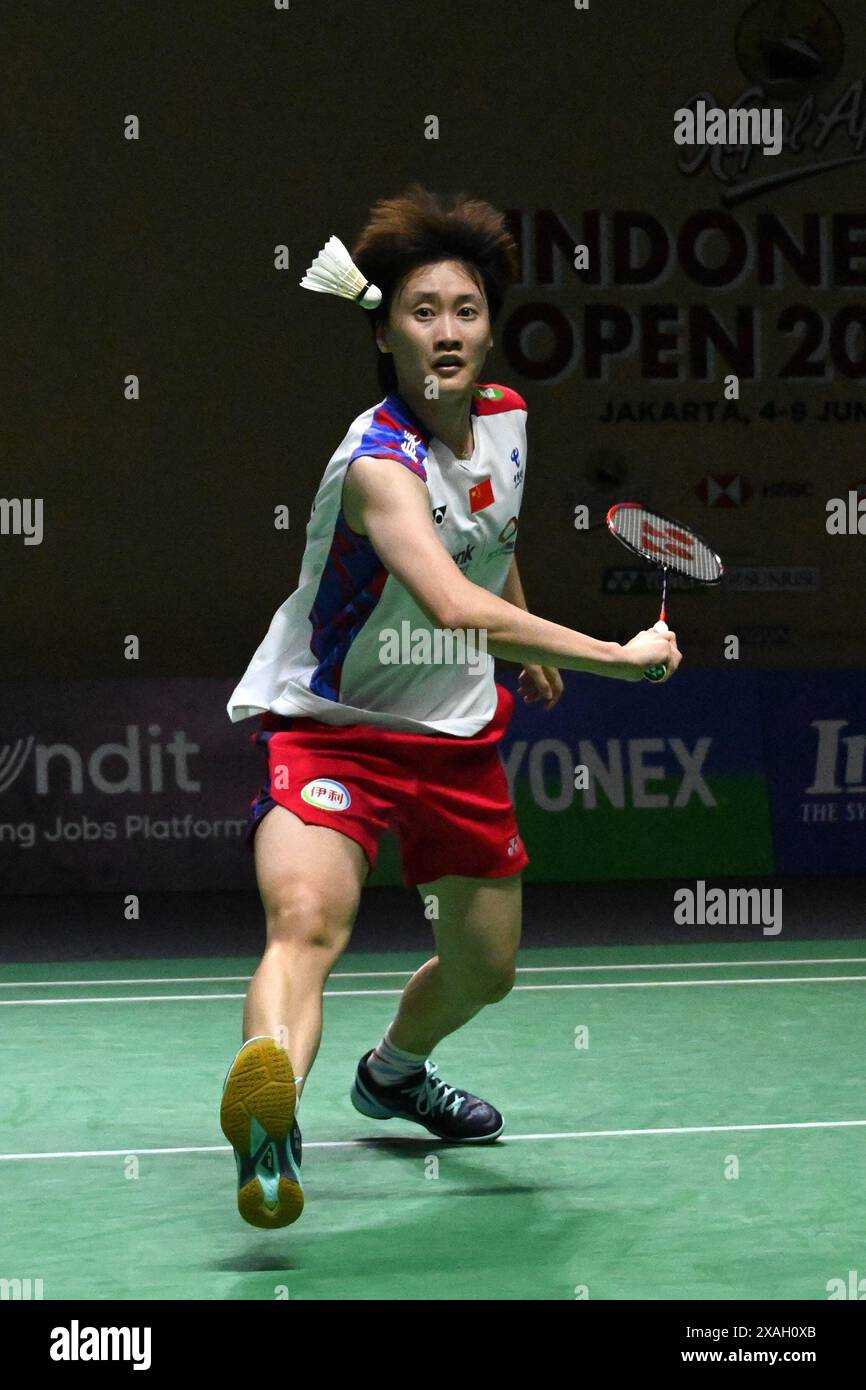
[(481, 496)]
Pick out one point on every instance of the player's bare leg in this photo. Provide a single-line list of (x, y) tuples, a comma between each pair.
[(310, 880), (477, 937)]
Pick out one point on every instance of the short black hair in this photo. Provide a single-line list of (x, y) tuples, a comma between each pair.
[(418, 228)]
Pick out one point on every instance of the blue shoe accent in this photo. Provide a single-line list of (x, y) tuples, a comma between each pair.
[(445, 1111)]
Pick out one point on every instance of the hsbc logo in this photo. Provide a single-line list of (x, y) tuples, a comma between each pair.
[(724, 490)]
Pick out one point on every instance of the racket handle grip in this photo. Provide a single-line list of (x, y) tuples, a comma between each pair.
[(657, 673)]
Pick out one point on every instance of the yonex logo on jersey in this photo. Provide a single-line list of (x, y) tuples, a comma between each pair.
[(409, 446), (327, 795), (439, 514), (489, 393), (514, 845)]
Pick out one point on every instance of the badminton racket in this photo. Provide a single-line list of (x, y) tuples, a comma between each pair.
[(668, 545)]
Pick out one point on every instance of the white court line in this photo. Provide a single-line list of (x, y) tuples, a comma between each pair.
[(370, 993), (404, 974), (428, 1139)]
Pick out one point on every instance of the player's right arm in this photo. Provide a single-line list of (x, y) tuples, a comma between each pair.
[(389, 504)]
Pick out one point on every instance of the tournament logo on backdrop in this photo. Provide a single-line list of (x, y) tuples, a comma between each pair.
[(791, 47), (789, 50)]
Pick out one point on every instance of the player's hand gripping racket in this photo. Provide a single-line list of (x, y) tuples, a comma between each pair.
[(668, 544)]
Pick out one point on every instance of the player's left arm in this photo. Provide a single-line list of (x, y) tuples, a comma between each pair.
[(535, 682)]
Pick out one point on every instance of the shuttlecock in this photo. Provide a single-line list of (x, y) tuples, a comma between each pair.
[(334, 272)]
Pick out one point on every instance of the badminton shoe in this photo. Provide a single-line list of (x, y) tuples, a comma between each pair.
[(257, 1117), (423, 1097)]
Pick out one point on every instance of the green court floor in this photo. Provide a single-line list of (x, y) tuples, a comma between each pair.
[(707, 1141)]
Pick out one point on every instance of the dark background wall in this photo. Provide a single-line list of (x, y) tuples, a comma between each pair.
[(261, 127)]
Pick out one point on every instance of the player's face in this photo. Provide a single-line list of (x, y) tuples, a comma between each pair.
[(439, 312)]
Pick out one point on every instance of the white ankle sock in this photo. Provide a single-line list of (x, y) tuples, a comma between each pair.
[(389, 1065)]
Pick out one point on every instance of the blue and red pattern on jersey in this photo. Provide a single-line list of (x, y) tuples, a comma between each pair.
[(395, 432), (350, 587)]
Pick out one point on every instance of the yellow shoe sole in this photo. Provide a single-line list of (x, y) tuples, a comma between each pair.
[(256, 1116)]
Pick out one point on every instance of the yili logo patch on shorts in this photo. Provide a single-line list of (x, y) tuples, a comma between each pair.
[(326, 794)]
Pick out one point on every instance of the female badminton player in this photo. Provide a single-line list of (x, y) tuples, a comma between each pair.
[(369, 725)]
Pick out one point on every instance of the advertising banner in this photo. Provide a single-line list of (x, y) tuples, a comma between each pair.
[(120, 786), (123, 786), (816, 764), (672, 786)]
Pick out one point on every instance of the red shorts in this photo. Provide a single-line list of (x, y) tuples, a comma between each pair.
[(445, 798)]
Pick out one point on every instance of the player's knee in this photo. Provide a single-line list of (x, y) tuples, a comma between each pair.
[(305, 917), (498, 985)]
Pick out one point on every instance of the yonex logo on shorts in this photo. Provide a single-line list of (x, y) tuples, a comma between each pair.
[(327, 795)]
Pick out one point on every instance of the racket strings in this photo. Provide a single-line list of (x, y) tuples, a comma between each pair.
[(664, 542)]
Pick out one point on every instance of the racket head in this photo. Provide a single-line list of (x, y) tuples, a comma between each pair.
[(664, 542)]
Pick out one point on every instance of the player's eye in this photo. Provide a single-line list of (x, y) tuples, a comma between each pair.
[(425, 309)]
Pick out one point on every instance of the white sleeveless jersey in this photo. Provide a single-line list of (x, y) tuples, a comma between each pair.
[(340, 648)]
